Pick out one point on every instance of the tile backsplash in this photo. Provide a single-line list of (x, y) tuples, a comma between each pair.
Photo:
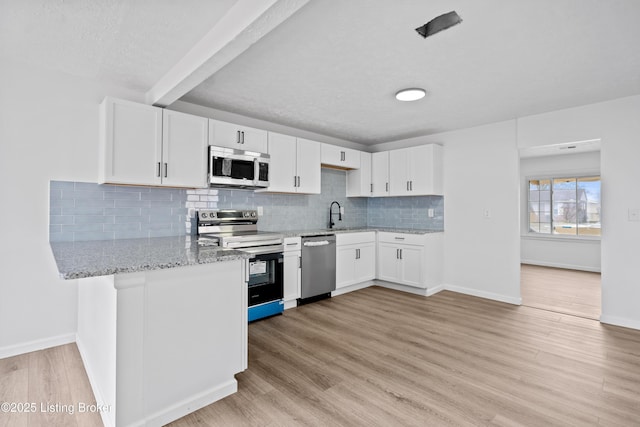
[(87, 211)]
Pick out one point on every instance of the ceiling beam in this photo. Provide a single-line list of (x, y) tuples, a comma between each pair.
[(244, 24)]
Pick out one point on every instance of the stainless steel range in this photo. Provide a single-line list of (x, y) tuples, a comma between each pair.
[(238, 229)]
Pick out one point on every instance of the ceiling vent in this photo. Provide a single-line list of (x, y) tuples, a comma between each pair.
[(439, 23)]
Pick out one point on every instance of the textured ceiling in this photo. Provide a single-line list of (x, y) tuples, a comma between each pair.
[(335, 66), (131, 43)]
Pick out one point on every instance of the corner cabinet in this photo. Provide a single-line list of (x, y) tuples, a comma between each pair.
[(223, 134), (410, 259), (146, 145), (355, 258), (359, 180), (416, 171), (295, 165)]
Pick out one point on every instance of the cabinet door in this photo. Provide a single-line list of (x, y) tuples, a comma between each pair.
[(345, 265), (130, 143), (425, 168), (380, 174), (411, 266), (365, 265), (230, 135), (291, 275), (184, 150), (398, 172), (359, 180), (282, 169), (388, 261), (333, 155), (308, 166)]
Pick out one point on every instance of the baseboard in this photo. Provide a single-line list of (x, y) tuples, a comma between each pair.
[(290, 304), (425, 292), (194, 403), (35, 345), (620, 321), (560, 265), (483, 294), (100, 400), (352, 288)]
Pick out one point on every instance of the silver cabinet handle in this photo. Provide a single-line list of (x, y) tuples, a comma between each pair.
[(387, 187), (242, 133), (400, 253), (158, 170), (399, 238), (411, 185), (292, 244), (238, 137), (165, 170), (298, 181), (295, 181), (299, 262), (407, 185), (371, 191), (397, 253)]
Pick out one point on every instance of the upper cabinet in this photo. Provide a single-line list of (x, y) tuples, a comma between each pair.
[(295, 165), (145, 145), (416, 171), (359, 180), (223, 134), (380, 174), (346, 158)]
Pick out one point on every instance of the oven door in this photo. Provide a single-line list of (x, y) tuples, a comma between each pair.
[(266, 278)]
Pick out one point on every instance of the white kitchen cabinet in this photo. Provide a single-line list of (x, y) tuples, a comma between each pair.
[(355, 258), (416, 171), (380, 174), (345, 158), (130, 143), (292, 271), (184, 150), (145, 145), (359, 180), (223, 134), (410, 259), (295, 165)]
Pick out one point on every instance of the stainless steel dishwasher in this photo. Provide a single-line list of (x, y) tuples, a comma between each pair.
[(318, 267)]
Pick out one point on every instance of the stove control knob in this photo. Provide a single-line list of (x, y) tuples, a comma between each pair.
[(253, 214)]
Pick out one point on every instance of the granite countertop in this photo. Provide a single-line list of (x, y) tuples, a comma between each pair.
[(327, 231), (76, 260)]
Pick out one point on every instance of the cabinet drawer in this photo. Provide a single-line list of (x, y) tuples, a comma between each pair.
[(355, 238), (292, 244), (401, 238)]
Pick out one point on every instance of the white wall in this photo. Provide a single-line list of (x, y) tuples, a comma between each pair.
[(48, 131), (555, 251), (481, 255), (617, 124)]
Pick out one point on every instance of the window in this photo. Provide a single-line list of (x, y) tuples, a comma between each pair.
[(565, 206)]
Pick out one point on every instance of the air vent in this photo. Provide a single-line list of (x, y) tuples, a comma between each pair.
[(439, 23)]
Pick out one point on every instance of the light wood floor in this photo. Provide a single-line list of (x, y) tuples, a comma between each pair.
[(55, 381), (564, 291), (378, 357)]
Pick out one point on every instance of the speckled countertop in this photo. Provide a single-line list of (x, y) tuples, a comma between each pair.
[(326, 231), (76, 260)]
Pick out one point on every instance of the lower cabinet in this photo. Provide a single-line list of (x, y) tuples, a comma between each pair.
[(292, 271), (355, 258), (410, 259)]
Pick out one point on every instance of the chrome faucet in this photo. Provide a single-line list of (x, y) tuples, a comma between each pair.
[(331, 214)]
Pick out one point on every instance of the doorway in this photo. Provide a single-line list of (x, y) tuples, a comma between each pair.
[(573, 292)]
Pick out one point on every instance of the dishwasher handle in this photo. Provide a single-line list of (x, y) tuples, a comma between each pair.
[(317, 243)]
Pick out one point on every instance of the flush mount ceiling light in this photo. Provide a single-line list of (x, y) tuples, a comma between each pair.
[(411, 94), (439, 23)]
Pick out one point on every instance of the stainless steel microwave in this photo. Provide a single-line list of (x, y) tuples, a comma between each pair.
[(229, 167)]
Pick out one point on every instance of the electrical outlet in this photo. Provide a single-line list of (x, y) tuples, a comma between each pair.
[(341, 210), (430, 213), (260, 211)]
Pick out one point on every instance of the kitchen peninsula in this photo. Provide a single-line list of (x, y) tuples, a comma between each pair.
[(162, 326)]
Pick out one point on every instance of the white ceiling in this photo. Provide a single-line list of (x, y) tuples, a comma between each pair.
[(334, 66)]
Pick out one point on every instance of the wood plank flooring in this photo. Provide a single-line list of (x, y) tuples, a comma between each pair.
[(54, 381), (564, 291), (378, 357)]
